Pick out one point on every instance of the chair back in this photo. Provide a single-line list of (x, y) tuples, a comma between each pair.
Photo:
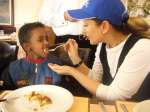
[(8, 53)]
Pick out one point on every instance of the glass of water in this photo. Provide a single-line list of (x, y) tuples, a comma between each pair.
[(1, 32)]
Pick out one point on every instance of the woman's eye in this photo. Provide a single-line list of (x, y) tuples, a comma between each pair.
[(40, 40)]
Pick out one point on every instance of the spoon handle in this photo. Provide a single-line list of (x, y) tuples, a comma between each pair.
[(2, 100)]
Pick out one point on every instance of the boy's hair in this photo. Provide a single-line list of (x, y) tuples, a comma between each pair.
[(24, 33)]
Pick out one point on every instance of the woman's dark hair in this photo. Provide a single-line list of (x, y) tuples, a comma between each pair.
[(135, 25), (24, 33)]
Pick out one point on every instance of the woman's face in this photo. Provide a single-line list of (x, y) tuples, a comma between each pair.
[(38, 42), (92, 31)]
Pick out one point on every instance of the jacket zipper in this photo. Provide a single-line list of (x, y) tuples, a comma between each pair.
[(36, 73)]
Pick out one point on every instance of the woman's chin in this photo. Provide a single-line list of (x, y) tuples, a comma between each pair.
[(92, 43)]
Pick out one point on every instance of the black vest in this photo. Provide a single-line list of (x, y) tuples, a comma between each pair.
[(144, 91)]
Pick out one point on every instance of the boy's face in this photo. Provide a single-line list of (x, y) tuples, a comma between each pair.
[(38, 42)]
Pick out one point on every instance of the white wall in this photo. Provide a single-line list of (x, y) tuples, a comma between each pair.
[(125, 2), (26, 11)]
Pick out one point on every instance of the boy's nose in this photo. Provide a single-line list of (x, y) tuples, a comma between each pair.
[(45, 41)]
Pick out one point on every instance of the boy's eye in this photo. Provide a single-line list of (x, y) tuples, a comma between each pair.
[(40, 40), (85, 25), (43, 38)]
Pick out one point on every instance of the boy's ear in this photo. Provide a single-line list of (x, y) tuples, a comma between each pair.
[(26, 46)]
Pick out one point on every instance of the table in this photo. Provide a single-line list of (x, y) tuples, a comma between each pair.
[(81, 104), (97, 108), (129, 105)]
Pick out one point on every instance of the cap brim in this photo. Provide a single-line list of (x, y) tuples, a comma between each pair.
[(79, 14)]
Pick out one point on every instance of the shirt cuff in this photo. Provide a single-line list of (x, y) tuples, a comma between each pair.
[(102, 91), (90, 74), (93, 75)]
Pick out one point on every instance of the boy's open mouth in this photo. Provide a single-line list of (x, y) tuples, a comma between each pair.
[(45, 50)]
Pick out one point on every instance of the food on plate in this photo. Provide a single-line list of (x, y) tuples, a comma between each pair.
[(38, 97)]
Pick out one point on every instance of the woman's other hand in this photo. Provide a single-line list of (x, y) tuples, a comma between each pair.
[(71, 47), (83, 79), (62, 70)]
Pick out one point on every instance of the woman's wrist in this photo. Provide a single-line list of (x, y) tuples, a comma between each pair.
[(76, 60), (74, 72), (78, 64)]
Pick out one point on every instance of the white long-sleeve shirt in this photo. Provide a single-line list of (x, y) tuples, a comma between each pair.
[(130, 75), (52, 14)]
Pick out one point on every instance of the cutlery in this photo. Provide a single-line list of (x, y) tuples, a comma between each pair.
[(1, 100), (124, 108), (9, 99), (103, 108), (53, 48)]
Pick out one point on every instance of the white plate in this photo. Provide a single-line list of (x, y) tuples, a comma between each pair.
[(143, 106), (61, 98)]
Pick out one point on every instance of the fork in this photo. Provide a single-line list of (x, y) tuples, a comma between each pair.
[(5, 99), (2, 100), (124, 108)]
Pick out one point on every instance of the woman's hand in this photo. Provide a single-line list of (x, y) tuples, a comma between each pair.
[(71, 47), (63, 70), (84, 80)]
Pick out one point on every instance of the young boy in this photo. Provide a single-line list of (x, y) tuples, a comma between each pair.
[(32, 69)]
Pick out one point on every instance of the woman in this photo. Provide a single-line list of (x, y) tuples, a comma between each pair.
[(122, 54)]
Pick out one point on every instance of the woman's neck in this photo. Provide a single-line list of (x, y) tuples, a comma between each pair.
[(115, 39)]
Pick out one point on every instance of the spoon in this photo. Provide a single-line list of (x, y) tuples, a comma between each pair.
[(9, 99), (54, 47)]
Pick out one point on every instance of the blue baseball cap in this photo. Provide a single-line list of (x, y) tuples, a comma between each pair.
[(111, 10)]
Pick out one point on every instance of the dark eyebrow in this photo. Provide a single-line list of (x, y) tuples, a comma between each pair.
[(43, 37)]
